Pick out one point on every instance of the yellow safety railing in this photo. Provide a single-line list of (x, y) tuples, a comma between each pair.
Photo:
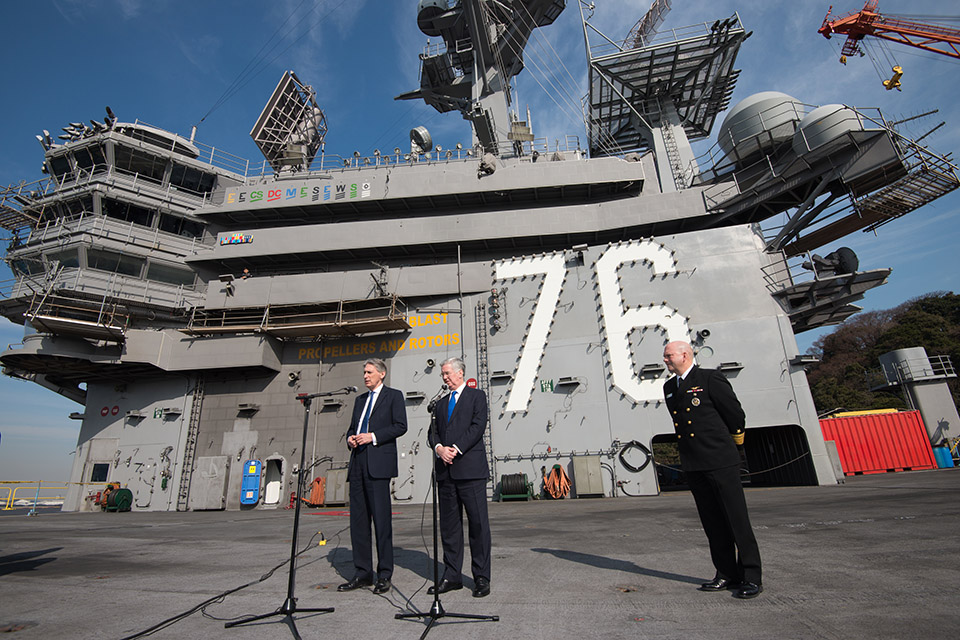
[(34, 488)]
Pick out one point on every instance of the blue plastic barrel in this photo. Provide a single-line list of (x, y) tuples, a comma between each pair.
[(943, 457)]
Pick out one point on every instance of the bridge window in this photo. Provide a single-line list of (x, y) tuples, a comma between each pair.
[(114, 262), (192, 179), (140, 162), (127, 212), (68, 258), (170, 274), (181, 226), (88, 157), (60, 165)]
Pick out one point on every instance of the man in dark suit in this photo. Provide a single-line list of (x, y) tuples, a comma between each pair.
[(379, 418), (462, 473), (709, 422)]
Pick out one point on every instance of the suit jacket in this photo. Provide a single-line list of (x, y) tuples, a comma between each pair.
[(388, 421), (706, 414), (465, 430)]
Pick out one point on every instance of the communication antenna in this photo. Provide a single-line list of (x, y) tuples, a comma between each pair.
[(647, 25), (291, 127)]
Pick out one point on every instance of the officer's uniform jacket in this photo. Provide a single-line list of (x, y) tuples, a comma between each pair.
[(706, 417)]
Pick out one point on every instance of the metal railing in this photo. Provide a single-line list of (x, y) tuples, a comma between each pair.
[(537, 150), (111, 228), (788, 272), (31, 487), (106, 284)]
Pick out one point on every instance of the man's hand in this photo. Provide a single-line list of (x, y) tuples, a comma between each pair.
[(447, 454), (359, 439)]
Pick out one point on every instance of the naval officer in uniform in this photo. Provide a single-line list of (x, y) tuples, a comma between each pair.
[(379, 418), (462, 473), (709, 422)]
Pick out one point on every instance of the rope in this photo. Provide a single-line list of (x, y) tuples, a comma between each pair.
[(634, 444), (556, 483)]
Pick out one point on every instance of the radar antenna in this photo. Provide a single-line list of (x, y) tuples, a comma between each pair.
[(291, 127), (647, 25)]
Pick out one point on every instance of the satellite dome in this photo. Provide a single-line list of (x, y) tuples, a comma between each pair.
[(759, 123), (822, 126)]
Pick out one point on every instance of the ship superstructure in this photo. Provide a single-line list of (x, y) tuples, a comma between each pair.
[(184, 300)]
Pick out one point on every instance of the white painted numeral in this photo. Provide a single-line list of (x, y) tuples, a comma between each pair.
[(554, 271), (619, 320)]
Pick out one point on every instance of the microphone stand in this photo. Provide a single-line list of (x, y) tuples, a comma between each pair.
[(436, 610), (289, 606)]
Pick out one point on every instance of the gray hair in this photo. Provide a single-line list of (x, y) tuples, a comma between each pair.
[(454, 362), (377, 363)]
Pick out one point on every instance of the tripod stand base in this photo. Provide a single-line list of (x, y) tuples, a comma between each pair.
[(436, 612), (288, 609)]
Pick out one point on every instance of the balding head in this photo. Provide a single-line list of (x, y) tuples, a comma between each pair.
[(678, 356)]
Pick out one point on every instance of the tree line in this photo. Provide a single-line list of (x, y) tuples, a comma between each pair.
[(848, 371)]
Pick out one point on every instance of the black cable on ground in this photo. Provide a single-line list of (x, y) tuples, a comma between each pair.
[(220, 597)]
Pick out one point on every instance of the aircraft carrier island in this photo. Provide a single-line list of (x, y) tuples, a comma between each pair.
[(184, 299)]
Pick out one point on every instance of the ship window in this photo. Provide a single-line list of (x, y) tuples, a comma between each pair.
[(79, 205), (114, 262), (100, 471), (140, 162), (26, 266), (69, 258), (192, 179), (89, 156), (170, 274), (127, 212), (59, 165), (180, 226)]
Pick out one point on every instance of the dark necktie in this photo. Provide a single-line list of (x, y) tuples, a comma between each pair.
[(451, 404), (365, 422)]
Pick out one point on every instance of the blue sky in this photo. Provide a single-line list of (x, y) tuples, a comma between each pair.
[(176, 64)]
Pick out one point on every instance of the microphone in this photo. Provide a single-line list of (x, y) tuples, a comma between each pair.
[(350, 389), (436, 398)]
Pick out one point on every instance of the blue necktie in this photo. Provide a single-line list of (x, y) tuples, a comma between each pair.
[(450, 405), (365, 422)]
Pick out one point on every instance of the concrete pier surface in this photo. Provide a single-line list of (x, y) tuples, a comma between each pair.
[(875, 557)]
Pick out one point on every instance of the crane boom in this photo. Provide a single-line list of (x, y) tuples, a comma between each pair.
[(869, 22)]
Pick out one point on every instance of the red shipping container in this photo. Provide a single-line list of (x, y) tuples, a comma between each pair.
[(880, 442)]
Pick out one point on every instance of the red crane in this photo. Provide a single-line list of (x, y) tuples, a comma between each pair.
[(868, 22)]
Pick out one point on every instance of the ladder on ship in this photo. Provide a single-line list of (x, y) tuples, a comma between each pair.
[(673, 152), (483, 381), (190, 447)]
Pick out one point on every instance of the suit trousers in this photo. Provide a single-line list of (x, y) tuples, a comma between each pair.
[(455, 497), (370, 500), (723, 513)]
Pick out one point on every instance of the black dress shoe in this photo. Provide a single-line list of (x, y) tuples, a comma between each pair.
[(383, 585), (718, 584), (481, 588), (748, 590), (446, 585), (355, 583)]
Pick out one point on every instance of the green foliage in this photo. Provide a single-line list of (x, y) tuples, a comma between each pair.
[(849, 357)]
